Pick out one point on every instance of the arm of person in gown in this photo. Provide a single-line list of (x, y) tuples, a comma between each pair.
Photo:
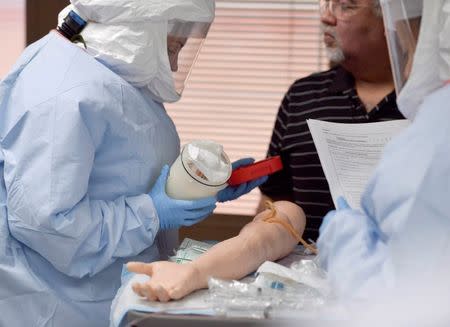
[(263, 239)]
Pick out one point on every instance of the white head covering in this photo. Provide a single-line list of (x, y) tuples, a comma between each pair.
[(431, 65), (130, 37)]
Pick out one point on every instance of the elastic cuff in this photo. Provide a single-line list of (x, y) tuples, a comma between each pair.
[(144, 208)]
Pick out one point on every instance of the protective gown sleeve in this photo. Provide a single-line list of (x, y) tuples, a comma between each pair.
[(405, 210), (352, 250), (49, 155)]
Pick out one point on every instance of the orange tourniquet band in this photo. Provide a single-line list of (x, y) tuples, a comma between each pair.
[(274, 220)]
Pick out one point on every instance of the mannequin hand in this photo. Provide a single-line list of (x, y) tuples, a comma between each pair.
[(169, 280)]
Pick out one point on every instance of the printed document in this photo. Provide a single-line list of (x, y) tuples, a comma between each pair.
[(349, 153)]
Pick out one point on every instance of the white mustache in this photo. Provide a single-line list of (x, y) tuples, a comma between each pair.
[(328, 29)]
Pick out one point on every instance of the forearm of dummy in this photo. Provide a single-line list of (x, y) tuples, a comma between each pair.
[(257, 242), (262, 203), (265, 198), (271, 235)]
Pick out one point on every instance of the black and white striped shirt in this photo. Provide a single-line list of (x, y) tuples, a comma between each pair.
[(330, 96)]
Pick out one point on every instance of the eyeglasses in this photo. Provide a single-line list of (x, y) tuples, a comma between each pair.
[(341, 9)]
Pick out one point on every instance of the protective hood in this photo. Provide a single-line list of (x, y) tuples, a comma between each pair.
[(130, 37), (431, 63)]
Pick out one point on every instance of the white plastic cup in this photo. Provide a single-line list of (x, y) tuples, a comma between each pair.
[(188, 176)]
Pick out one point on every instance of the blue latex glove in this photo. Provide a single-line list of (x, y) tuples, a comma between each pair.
[(324, 245), (341, 205), (175, 213), (233, 192)]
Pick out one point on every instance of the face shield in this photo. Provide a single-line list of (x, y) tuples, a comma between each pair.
[(402, 24), (184, 41), (151, 44)]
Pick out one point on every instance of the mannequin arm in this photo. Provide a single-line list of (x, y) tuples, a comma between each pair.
[(234, 258)]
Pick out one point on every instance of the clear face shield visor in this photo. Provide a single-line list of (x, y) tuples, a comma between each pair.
[(402, 24), (184, 41)]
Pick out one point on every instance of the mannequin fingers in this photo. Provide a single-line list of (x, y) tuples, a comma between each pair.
[(161, 293), (137, 288), (140, 268), (149, 292)]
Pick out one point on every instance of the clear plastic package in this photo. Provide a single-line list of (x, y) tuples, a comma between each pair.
[(238, 299), (270, 292), (189, 250)]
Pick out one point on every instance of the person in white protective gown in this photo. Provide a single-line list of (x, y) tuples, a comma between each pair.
[(83, 138), (403, 229)]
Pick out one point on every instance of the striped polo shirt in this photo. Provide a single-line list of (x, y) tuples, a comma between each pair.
[(329, 96)]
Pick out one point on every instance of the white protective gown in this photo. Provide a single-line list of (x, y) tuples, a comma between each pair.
[(404, 227), (80, 148), (401, 237)]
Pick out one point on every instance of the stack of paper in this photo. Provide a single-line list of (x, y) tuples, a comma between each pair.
[(349, 153)]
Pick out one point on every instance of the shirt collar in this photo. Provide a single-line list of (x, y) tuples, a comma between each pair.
[(342, 81), (387, 106)]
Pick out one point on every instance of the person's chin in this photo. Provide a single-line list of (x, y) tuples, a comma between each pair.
[(335, 54)]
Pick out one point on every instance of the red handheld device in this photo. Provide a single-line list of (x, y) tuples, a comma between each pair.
[(255, 170)]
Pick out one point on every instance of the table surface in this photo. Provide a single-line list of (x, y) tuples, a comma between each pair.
[(139, 319)]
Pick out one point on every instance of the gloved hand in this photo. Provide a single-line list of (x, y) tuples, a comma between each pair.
[(233, 192), (341, 205), (175, 213), (324, 244)]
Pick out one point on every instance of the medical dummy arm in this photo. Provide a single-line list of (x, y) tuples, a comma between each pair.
[(271, 235)]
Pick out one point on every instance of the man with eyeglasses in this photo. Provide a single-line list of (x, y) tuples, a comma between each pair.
[(358, 89)]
